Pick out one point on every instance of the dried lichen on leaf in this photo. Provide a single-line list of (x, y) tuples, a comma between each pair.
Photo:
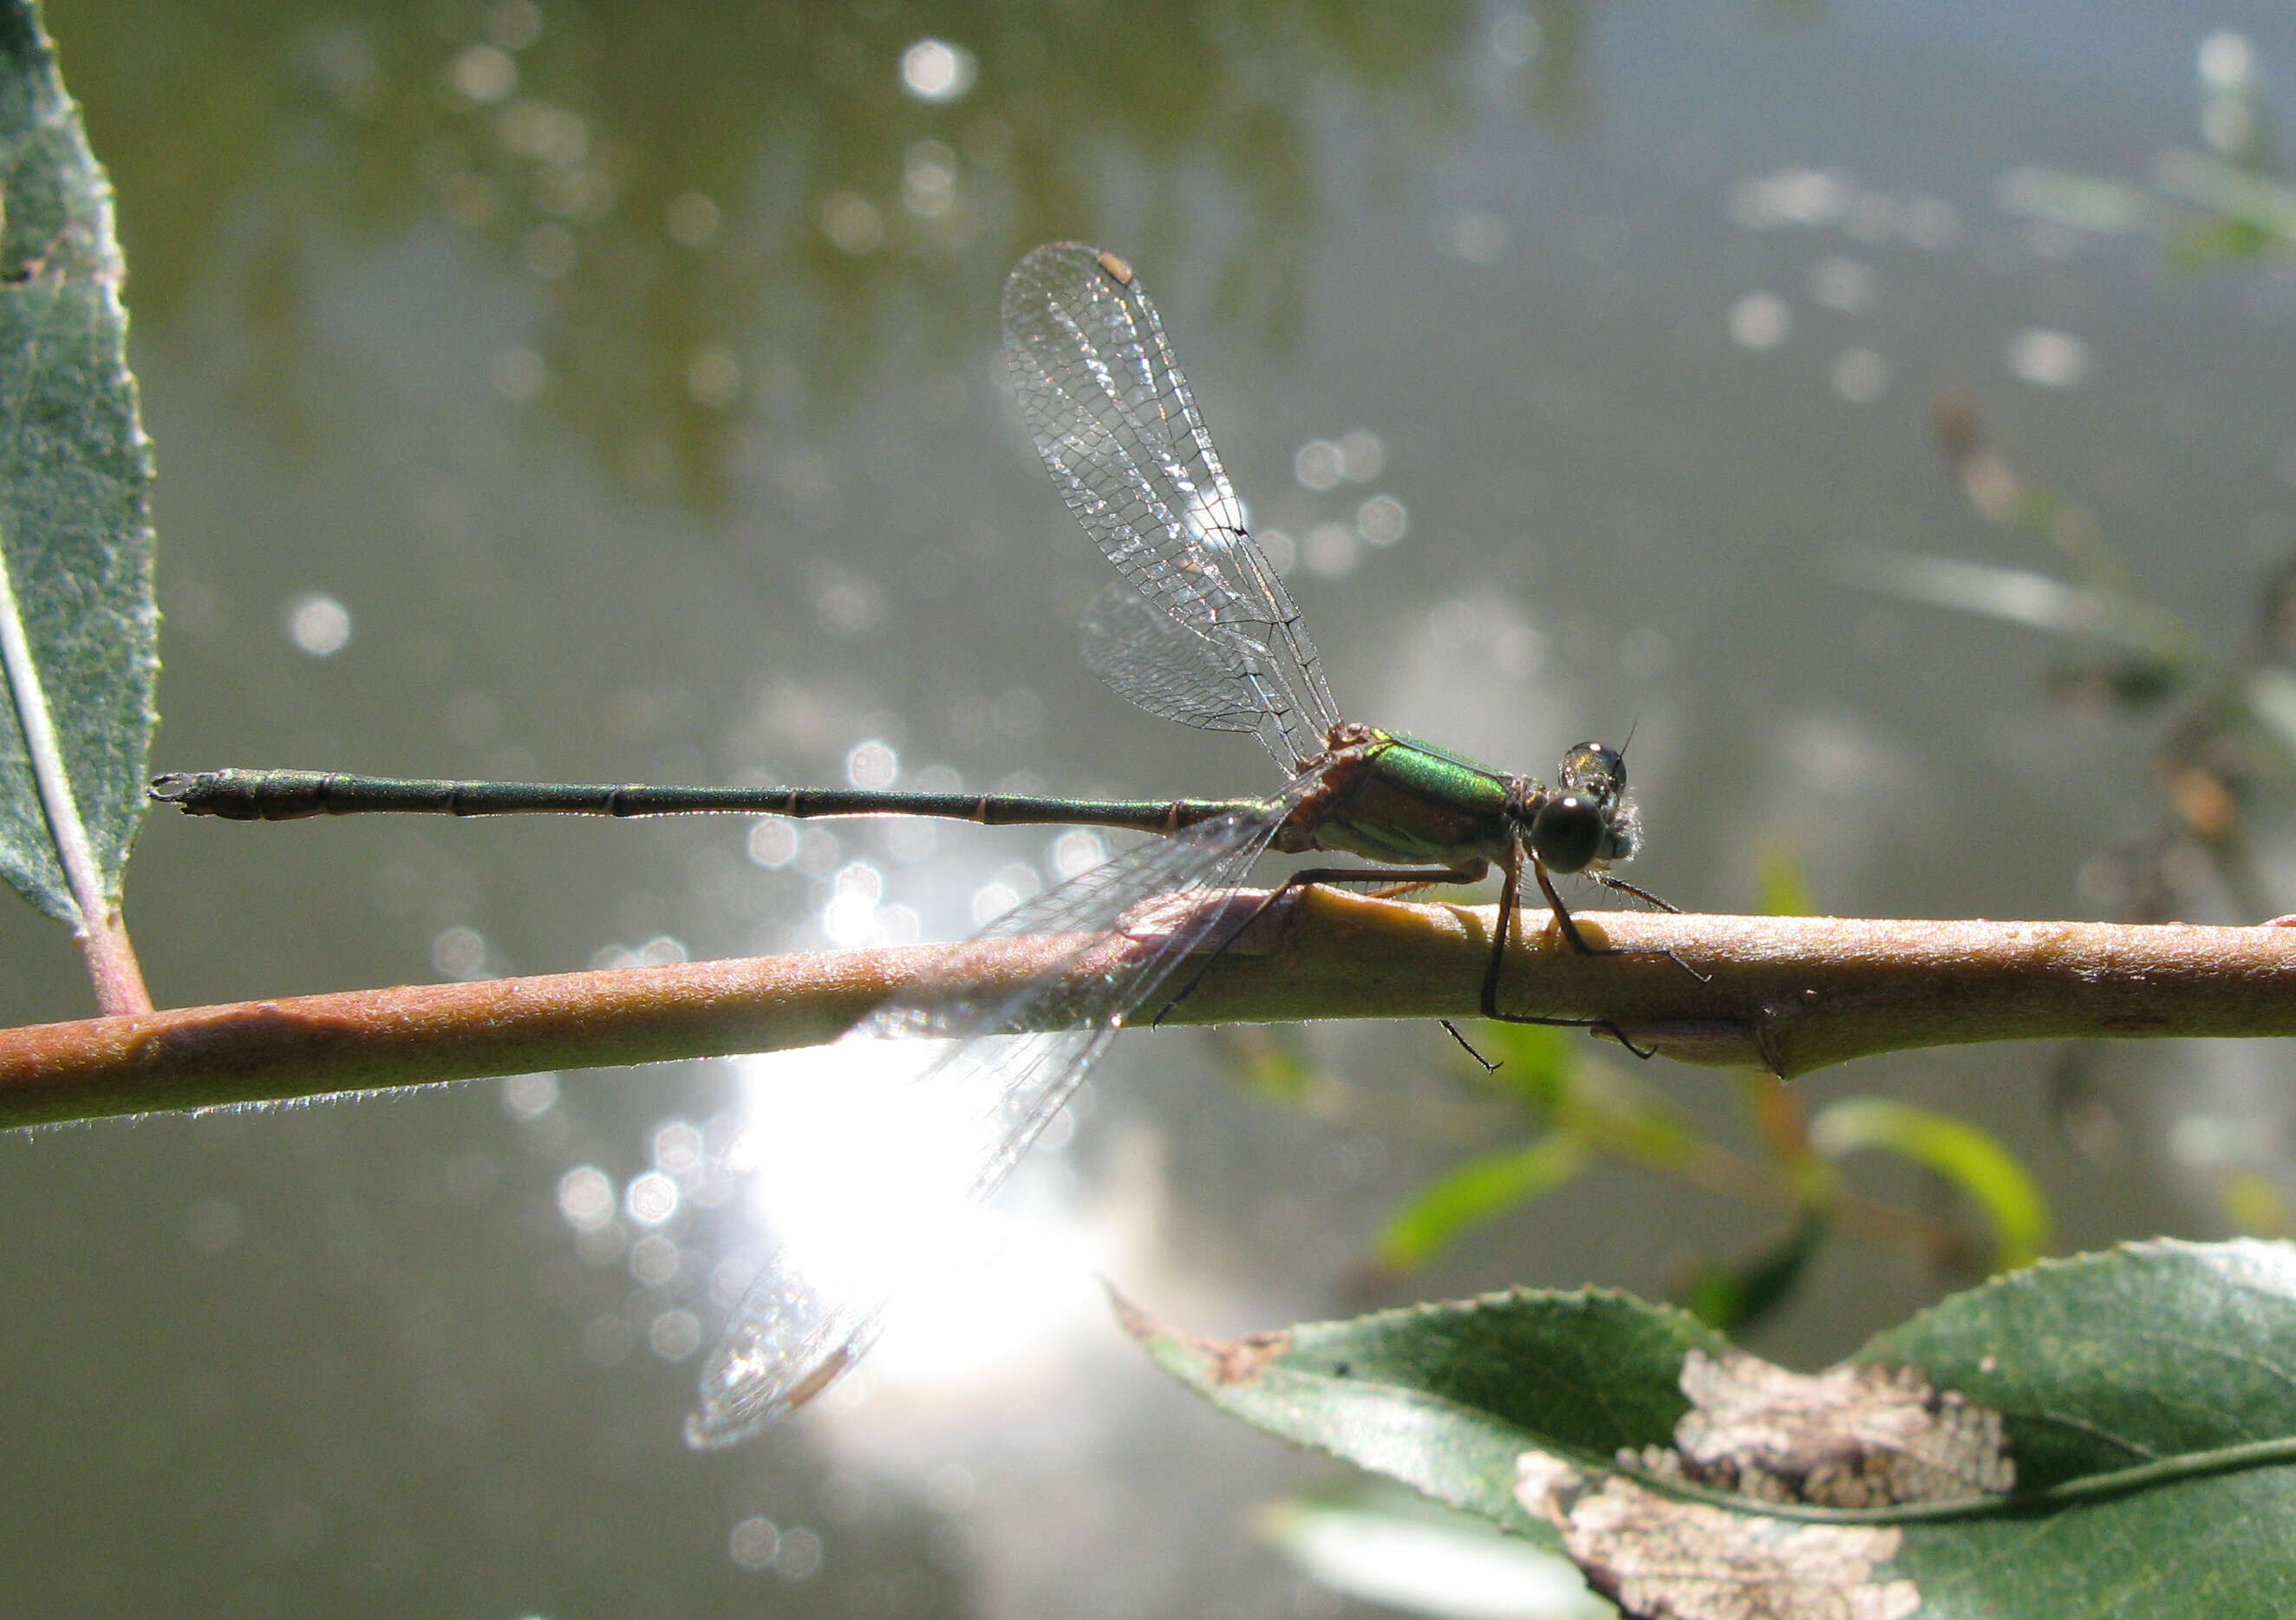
[(1233, 1362), (1852, 1437), (1674, 1561), (1227, 1362)]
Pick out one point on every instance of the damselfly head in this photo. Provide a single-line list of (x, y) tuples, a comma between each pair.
[(1587, 820)]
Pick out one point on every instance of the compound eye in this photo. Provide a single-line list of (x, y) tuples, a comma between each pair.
[(1568, 832), (1595, 767)]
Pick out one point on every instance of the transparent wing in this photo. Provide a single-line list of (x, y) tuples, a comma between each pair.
[(1112, 416), (945, 1131), (1167, 668)]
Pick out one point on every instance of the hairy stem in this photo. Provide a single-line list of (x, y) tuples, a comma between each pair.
[(1785, 994)]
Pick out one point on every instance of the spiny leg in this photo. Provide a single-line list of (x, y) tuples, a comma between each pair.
[(1622, 886), (1510, 899), (1579, 940), (1402, 882), (1467, 1046)]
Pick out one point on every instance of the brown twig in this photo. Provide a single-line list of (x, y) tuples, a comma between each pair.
[(112, 967), (1787, 994)]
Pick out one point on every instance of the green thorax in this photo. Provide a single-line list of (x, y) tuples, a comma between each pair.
[(1402, 801)]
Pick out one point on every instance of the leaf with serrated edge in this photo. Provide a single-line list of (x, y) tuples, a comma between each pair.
[(2093, 1365), (79, 632), (1445, 1397), (2101, 1362)]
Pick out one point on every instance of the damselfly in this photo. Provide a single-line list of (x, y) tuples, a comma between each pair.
[(1197, 627)]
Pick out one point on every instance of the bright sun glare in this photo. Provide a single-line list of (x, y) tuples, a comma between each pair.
[(860, 1165)]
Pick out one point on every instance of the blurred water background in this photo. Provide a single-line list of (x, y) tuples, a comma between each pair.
[(597, 392)]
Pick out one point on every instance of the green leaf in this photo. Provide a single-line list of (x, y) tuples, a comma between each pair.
[(2147, 1397), (2154, 1351), (78, 629), (2254, 1206), (1267, 1059), (1479, 1190), (1445, 1397), (2080, 201), (2017, 595), (1972, 1158), (1781, 888), (1537, 1063), (2252, 205), (2105, 1361), (2217, 242), (1734, 1297)]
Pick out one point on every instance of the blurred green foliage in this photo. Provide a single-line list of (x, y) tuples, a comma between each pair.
[(2227, 744), (1561, 1108), (1972, 1161), (2224, 204), (728, 210)]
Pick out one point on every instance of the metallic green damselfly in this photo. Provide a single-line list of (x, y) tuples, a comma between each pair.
[(1199, 628)]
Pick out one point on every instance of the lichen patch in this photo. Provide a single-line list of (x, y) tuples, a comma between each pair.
[(1852, 1437), (1665, 1559)]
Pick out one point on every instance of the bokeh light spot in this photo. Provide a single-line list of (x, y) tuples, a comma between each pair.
[(2047, 359), (713, 376), (753, 1542), (1318, 464), (529, 1095), (318, 624), (800, 1557), (483, 74), (852, 223), (872, 765), (2227, 62), (517, 373), (212, 1225), (1363, 455), (1514, 38), (585, 1196), (1860, 375), (1760, 320), (773, 842), (460, 954), (1077, 852), (929, 179), (1382, 521), (692, 221), (675, 1335), (935, 71), (651, 1199)]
